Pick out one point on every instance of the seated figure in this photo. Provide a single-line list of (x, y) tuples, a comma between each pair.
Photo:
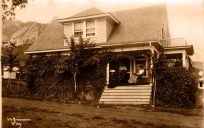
[(135, 76)]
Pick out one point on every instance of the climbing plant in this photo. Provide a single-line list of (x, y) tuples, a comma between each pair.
[(79, 74), (175, 86)]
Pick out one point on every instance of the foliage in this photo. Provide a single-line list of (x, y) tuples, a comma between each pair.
[(56, 75), (59, 77), (175, 86), (9, 7), (55, 80), (79, 52), (9, 56)]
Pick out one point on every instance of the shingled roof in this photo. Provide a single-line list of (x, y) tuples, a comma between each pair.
[(140, 24), (51, 39), (89, 12)]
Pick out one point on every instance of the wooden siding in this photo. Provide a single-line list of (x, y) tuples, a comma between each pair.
[(101, 30)]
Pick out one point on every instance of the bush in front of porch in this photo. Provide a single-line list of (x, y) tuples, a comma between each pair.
[(175, 86)]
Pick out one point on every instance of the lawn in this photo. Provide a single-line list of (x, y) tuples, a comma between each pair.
[(49, 114)]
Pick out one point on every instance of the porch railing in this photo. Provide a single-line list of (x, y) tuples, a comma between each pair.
[(172, 42)]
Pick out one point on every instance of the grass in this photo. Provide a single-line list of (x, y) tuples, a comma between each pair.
[(60, 115)]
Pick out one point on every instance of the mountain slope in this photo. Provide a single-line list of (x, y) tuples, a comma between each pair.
[(22, 33), (9, 27)]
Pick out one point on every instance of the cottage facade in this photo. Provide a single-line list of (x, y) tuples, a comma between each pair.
[(142, 32)]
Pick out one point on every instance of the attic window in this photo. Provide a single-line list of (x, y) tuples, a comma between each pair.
[(90, 28), (78, 29)]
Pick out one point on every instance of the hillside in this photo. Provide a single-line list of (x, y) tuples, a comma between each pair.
[(22, 33)]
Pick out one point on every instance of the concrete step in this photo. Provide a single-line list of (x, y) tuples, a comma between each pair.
[(126, 94), (123, 97), (130, 87), (136, 94), (129, 91), (125, 103)]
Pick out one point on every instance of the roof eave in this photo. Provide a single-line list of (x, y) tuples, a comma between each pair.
[(63, 20), (46, 51), (188, 48)]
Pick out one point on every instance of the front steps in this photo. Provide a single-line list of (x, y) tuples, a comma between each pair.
[(132, 94)]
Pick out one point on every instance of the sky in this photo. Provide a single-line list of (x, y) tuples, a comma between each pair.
[(186, 17)]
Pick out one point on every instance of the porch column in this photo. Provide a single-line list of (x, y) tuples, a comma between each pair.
[(130, 68), (107, 74), (151, 65), (151, 59), (184, 59), (134, 63)]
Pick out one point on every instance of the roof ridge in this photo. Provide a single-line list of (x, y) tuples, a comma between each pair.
[(88, 12), (137, 8)]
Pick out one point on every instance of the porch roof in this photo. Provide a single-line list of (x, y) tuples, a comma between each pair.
[(188, 48), (156, 45)]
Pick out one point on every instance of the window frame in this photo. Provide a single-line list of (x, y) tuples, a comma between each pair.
[(94, 27), (84, 29), (78, 30)]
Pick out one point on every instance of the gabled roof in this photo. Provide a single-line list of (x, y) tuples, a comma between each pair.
[(89, 12), (140, 24), (136, 25), (51, 39)]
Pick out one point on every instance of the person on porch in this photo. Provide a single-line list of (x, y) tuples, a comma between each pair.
[(138, 75), (122, 73)]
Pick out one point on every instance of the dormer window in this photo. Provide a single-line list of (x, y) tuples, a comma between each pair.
[(90, 28), (78, 29)]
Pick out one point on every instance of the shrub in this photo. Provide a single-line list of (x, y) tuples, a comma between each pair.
[(175, 86), (55, 80)]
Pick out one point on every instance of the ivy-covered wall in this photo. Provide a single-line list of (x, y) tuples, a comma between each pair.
[(175, 86), (51, 77)]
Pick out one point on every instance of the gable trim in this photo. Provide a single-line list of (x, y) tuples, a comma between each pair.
[(88, 17)]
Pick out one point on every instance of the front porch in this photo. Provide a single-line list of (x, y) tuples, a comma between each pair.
[(125, 67), (126, 63), (119, 90)]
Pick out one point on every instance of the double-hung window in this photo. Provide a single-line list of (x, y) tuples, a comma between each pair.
[(78, 29), (90, 28)]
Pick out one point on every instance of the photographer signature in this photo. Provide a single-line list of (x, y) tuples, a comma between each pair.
[(17, 121)]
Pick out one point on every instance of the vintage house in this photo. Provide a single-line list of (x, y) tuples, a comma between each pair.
[(141, 32)]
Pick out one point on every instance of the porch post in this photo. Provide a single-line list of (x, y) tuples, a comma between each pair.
[(130, 68), (134, 63), (151, 64), (107, 74), (184, 59), (153, 82)]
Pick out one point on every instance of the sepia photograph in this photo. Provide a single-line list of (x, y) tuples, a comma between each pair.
[(102, 64)]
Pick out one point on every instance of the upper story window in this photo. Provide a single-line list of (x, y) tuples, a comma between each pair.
[(78, 29), (90, 28)]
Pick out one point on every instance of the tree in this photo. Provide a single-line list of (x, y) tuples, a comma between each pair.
[(79, 52), (9, 7), (9, 59)]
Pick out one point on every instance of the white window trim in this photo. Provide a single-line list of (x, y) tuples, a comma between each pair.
[(74, 28), (84, 29), (94, 29)]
